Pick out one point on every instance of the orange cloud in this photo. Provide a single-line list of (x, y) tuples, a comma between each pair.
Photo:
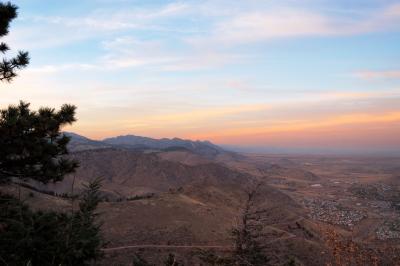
[(241, 123), (305, 126)]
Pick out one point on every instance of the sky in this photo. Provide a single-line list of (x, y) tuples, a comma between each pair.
[(304, 74)]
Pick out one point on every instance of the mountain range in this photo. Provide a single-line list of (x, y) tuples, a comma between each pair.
[(132, 142)]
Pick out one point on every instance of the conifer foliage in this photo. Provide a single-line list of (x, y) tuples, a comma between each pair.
[(44, 238), (31, 145), (9, 66)]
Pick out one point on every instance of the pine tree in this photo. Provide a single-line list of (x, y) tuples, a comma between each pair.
[(84, 239), (9, 66), (31, 144), (50, 238), (172, 261), (33, 147)]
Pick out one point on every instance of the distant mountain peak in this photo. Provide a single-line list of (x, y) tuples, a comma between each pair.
[(80, 143), (205, 148), (199, 147)]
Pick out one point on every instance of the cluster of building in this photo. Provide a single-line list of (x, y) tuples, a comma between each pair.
[(329, 211), (381, 205), (377, 191), (389, 230)]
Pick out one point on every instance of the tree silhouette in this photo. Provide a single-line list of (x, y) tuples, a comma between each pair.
[(33, 147), (172, 261), (247, 250), (50, 238), (31, 144), (9, 66)]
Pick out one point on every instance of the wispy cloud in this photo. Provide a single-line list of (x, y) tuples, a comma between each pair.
[(108, 20), (209, 27), (378, 74), (48, 69), (266, 24), (127, 52)]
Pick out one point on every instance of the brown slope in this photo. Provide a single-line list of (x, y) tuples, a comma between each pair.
[(201, 213), (127, 173)]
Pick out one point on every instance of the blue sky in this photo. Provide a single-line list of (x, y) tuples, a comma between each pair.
[(229, 71)]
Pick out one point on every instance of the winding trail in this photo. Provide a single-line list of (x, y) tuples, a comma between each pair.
[(166, 247)]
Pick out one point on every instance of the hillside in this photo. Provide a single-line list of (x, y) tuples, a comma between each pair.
[(177, 200), (153, 198)]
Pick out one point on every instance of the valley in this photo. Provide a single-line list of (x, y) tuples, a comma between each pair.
[(176, 200)]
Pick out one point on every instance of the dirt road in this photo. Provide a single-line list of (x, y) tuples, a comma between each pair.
[(167, 247)]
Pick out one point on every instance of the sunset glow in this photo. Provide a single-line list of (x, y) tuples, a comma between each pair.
[(309, 74)]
